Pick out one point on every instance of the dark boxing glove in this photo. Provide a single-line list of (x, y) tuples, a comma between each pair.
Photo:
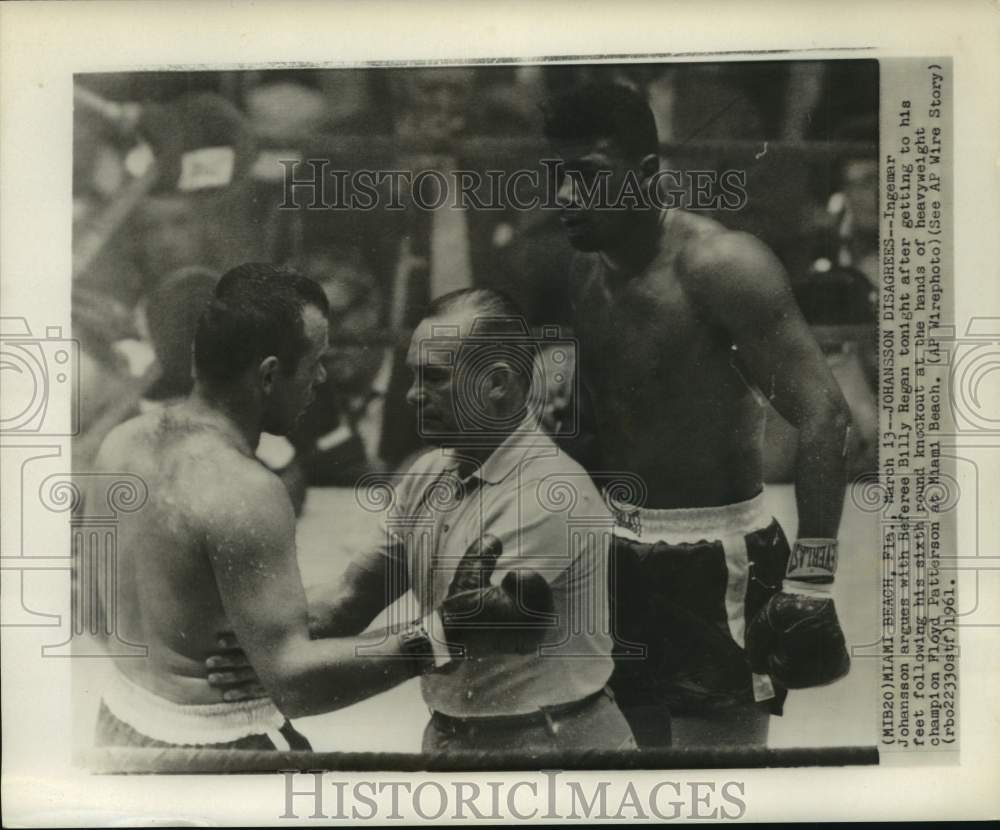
[(796, 637), (484, 618)]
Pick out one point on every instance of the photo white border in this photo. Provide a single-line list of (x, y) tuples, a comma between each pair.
[(43, 44)]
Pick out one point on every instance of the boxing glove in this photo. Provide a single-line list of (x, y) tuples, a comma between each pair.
[(484, 618), (796, 637)]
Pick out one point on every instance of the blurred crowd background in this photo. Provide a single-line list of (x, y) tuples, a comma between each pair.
[(149, 241)]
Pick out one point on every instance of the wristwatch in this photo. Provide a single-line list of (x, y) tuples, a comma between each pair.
[(424, 642), (415, 643)]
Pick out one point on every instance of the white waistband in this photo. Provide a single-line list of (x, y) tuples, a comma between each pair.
[(689, 524), (178, 723)]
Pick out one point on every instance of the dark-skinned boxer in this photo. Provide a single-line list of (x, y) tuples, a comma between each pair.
[(687, 331)]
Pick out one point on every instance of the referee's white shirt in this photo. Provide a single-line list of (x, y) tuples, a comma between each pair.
[(550, 518)]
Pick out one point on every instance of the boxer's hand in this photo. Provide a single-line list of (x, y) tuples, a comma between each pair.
[(494, 619), (796, 638), (231, 672)]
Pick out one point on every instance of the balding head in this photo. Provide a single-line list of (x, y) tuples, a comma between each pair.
[(473, 363)]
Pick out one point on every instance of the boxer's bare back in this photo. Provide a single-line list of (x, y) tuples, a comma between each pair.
[(167, 594)]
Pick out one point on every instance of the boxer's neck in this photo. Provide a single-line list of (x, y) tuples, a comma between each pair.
[(637, 246), (228, 411)]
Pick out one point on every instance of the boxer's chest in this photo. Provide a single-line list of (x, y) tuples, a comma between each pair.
[(639, 327)]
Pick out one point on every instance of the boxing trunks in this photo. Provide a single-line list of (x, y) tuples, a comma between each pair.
[(684, 585), (132, 716)]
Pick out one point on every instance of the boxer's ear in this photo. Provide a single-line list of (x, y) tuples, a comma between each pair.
[(649, 164), (268, 372)]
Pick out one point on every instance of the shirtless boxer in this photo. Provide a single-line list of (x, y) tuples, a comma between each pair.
[(214, 546), (687, 331)]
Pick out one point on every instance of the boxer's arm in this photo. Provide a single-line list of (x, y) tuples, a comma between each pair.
[(741, 285), (250, 540), (370, 584)]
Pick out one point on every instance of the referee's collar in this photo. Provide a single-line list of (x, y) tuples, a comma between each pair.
[(526, 441)]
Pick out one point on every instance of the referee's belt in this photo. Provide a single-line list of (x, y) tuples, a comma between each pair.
[(543, 716)]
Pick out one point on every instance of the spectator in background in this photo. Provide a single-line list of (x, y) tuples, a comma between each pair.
[(286, 109), (174, 308), (99, 174), (346, 432), (168, 232), (170, 236), (440, 111), (853, 207), (331, 117), (107, 393), (103, 297)]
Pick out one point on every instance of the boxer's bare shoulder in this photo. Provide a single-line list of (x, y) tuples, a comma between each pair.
[(180, 452), (246, 502), (120, 440), (726, 272)]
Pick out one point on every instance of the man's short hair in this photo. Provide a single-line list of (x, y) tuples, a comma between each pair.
[(487, 303), (499, 329), (256, 312), (603, 110)]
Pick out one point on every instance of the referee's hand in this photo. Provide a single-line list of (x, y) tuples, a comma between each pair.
[(230, 671)]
